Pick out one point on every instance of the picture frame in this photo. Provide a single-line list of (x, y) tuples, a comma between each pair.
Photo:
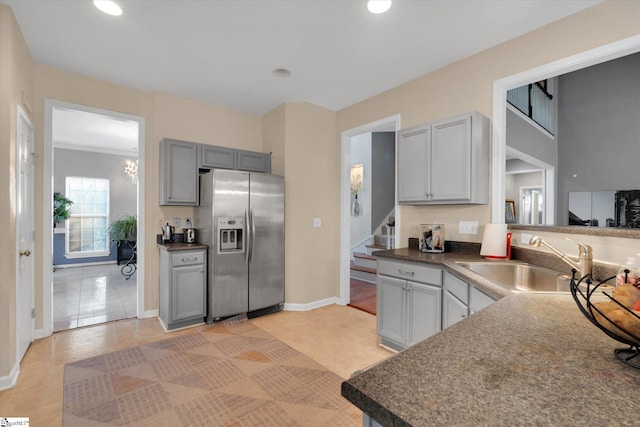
[(510, 211)]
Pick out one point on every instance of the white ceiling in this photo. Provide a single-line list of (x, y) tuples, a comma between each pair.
[(223, 51)]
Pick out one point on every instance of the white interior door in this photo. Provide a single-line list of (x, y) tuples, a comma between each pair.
[(25, 231)]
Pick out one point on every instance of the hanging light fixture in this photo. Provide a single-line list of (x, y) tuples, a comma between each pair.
[(131, 169), (378, 6)]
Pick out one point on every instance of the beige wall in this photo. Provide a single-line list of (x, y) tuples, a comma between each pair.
[(467, 85), (311, 179), (16, 78)]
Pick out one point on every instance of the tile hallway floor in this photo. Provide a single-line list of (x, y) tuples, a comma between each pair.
[(340, 338), (84, 296)]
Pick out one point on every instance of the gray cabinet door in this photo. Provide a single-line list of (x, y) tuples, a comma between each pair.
[(451, 159), (391, 309), (413, 164), (478, 300), (453, 310), (178, 173), (424, 314), (188, 299), (212, 157), (253, 161)]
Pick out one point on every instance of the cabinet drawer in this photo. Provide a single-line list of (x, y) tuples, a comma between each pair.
[(457, 287), (187, 258), (411, 271)]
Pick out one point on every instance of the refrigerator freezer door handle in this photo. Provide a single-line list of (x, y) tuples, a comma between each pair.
[(253, 234), (246, 238)]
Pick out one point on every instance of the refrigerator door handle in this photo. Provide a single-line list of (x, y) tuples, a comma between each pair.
[(253, 234), (246, 238)]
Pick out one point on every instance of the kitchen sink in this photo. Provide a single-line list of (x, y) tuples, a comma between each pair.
[(520, 277)]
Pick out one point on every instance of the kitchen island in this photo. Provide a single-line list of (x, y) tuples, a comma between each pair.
[(528, 359)]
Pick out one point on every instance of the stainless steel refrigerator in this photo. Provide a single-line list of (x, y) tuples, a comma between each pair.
[(241, 219)]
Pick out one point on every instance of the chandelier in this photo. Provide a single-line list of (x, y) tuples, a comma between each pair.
[(131, 169)]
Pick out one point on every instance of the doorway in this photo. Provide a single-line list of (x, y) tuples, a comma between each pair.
[(97, 157), (390, 124)]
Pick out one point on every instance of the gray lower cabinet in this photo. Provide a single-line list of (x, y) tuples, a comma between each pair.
[(460, 300), (183, 278), (478, 300), (178, 175), (455, 300), (409, 302), (367, 421)]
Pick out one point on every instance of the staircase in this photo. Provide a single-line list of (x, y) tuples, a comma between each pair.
[(364, 265)]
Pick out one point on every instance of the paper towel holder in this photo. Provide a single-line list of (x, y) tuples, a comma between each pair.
[(508, 255)]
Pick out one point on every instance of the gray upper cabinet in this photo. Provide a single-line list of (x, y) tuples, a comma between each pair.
[(213, 157), (445, 162), (178, 174), (181, 161), (253, 161)]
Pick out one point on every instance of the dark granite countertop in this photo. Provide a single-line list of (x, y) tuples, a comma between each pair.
[(181, 246), (529, 359)]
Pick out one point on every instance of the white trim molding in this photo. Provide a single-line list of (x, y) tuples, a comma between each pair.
[(562, 66), (9, 381), (389, 124), (312, 305)]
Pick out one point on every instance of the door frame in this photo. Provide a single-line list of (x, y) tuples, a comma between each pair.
[(47, 238), (22, 119), (562, 66), (345, 196)]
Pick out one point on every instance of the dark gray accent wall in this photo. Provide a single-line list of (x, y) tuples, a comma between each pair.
[(123, 192), (598, 129), (383, 161), (524, 137)]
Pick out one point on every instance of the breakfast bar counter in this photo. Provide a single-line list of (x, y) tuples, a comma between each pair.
[(528, 359)]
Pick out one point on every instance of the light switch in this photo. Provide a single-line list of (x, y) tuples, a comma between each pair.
[(468, 227), (317, 222)]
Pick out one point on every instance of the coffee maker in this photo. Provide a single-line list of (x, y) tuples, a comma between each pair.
[(189, 235)]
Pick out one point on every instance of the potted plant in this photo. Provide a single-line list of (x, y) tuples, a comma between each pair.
[(61, 208), (124, 229)]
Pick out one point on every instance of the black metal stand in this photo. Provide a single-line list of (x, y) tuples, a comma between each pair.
[(130, 267)]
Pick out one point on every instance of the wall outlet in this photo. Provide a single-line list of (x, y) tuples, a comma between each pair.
[(176, 222), (187, 222), (524, 239), (317, 222), (468, 227)]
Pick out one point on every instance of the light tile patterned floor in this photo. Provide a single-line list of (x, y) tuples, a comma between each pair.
[(84, 296), (342, 339)]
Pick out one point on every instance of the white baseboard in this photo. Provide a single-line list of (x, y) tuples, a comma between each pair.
[(150, 313), (9, 381), (311, 305), (41, 333)]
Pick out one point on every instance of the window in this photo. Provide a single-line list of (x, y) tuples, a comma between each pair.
[(536, 102), (87, 228)]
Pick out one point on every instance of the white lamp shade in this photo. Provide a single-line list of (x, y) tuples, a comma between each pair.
[(494, 240)]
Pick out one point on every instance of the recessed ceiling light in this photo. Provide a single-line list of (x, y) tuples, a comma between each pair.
[(281, 72), (378, 6), (108, 7)]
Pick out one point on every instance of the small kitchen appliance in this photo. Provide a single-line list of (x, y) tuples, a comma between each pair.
[(189, 235), (167, 233)]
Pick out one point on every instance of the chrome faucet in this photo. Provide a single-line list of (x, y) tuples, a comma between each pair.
[(585, 257)]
